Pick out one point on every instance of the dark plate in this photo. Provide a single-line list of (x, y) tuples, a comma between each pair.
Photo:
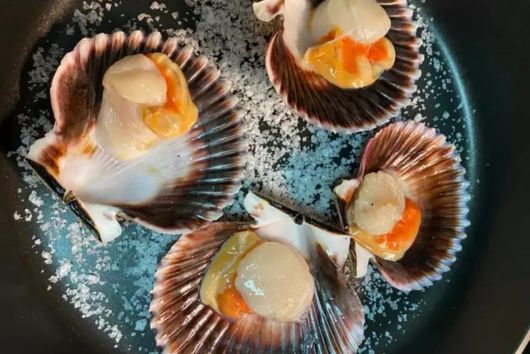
[(484, 308)]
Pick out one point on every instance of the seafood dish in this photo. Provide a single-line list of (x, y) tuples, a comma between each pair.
[(147, 131), (226, 287), (144, 130), (279, 284), (344, 65), (407, 208)]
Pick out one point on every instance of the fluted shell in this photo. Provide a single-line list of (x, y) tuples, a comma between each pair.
[(346, 110), (433, 177), (214, 167), (334, 323)]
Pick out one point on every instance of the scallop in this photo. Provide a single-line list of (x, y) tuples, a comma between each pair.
[(412, 162), (364, 20), (268, 289), (275, 285), (144, 130), (344, 65), (379, 204)]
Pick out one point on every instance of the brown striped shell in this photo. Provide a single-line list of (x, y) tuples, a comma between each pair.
[(334, 323), (216, 140), (431, 171), (349, 110)]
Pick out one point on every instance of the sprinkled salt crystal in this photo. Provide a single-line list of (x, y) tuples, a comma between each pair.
[(63, 270), (35, 199), (28, 216), (143, 16), (17, 216), (155, 5), (47, 257), (418, 118), (140, 325)]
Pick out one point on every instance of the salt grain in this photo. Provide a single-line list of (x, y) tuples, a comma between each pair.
[(28, 216), (35, 199), (155, 5), (47, 257)]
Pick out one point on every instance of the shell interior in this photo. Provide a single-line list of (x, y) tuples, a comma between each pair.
[(273, 223)]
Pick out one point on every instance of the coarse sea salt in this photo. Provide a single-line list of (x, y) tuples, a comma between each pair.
[(294, 162)]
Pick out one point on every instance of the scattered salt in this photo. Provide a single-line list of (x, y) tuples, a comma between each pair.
[(155, 5), (27, 215), (35, 199), (419, 118), (47, 257), (140, 325), (143, 16)]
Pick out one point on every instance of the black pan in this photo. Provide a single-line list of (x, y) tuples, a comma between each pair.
[(482, 306)]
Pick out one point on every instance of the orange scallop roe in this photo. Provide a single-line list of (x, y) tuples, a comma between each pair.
[(378, 51), (404, 232), (231, 303), (348, 63), (217, 288), (393, 245), (179, 113), (351, 52)]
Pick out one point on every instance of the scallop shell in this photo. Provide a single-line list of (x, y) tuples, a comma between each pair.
[(216, 140), (347, 110), (334, 323), (433, 177)]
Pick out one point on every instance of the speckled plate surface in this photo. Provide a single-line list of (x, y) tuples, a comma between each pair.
[(68, 293)]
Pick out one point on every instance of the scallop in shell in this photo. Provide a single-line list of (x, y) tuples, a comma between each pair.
[(380, 85), (332, 323), (116, 147), (407, 208)]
